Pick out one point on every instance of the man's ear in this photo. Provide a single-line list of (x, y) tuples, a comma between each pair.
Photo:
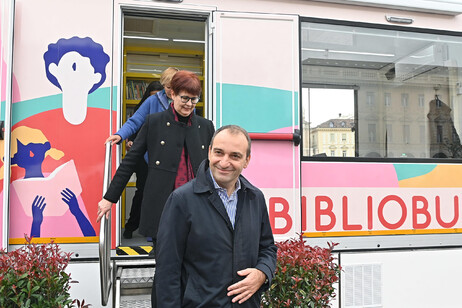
[(53, 69), (247, 160)]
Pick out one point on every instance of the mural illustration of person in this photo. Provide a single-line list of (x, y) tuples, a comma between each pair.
[(29, 148), (77, 66)]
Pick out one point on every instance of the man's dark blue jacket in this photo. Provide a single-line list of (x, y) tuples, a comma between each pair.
[(198, 253)]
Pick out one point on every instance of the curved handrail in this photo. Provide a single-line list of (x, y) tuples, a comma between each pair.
[(271, 136), (295, 137), (105, 237)]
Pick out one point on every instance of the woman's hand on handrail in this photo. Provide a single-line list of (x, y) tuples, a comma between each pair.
[(113, 139), (104, 207)]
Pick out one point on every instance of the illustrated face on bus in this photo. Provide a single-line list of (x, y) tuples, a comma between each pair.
[(76, 77), (77, 66), (30, 157)]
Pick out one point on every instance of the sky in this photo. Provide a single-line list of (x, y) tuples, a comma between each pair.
[(326, 104)]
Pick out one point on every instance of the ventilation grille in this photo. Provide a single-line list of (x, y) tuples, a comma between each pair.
[(363, 286)]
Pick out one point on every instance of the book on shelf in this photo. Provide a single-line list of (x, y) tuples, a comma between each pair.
[(135, 89)]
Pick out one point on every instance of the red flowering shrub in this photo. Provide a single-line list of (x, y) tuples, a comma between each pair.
[(304, 276), (34, 276)]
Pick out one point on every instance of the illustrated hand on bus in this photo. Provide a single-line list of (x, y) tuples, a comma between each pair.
[(71, 200), (37, 213), (104, 206), (114, 139)]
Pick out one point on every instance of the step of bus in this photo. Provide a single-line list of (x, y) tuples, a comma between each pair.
[(136, 279), (135, 301), (133, 250)]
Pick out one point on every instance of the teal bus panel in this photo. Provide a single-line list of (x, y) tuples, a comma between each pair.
[(257, 109)]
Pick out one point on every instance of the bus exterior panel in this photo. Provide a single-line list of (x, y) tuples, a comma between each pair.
[(396, 217)]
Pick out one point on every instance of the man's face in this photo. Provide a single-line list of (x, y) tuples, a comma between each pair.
[(228, 157)]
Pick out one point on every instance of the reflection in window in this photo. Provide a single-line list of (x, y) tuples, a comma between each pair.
[(389, 133), (406, 134), (370, 98), (372, 132), (421, 101), (422, 134), (387, 99), (439, 133), (418, 70), (404, 99)]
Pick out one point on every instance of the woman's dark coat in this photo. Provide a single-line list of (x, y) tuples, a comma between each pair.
[(163, 138), (198, 251)]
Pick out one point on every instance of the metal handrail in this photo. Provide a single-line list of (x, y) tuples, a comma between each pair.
[(8, 109), (295, 137), (105, 237)]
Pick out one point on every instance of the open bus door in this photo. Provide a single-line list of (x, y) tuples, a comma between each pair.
[(256, 71), (143, 57)]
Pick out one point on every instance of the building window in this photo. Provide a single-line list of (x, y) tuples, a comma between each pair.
[(370, 98), (439, 103), (406, 134), (344, 153), (387, 99), (439, 134), (404, 99), (421, 100), (344, 138), (422, 134), (371, 132), (332, 153), (389, 133)]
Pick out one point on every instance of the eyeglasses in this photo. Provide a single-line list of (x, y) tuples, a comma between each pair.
[(185, 99)]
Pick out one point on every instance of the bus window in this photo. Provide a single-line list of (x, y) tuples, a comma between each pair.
[(406, 101)]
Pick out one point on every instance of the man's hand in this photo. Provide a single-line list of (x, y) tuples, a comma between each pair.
[(104, 207), (113, 139), (245, 288)]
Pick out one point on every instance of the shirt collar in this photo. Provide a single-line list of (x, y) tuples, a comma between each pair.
[(215, 184)]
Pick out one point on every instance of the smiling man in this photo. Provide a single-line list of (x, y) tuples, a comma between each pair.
[(215, 245)]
